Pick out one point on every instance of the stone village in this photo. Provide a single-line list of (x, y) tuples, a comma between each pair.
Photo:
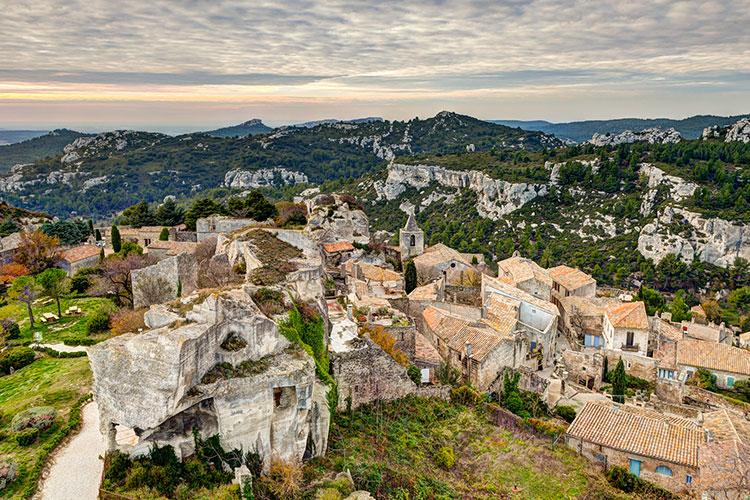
[(218, 360)]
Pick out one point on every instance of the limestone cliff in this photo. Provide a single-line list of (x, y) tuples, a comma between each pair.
[(650, 135), (333, 218), (279, 176)]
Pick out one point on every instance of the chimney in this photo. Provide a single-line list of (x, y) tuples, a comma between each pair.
[(468, 349)]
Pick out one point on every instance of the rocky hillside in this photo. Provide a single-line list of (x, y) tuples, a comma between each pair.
[(250, 127), (37, 148), (118, 169), (617, 211)]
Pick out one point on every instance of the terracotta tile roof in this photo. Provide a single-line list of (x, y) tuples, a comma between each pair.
[(376, 273), (424, 351), (455, 332), (519, 269), (628, 315), (666, 355), (713, 356), (341, 246), (668, 331), (648, 434), (174, 247), (725, 458), (570, 277), (511, 291), (439, 254), (79, 253), (424, 292), (502, 314)]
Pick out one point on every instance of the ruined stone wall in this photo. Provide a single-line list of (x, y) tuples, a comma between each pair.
[(161, 282), (582, 366), (636, 365), (466, 295), (367, 373), (668, 391)]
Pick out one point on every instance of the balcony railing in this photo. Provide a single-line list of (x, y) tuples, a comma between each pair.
[(629, 347)]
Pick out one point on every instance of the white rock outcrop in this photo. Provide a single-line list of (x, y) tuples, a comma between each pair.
[(651, 135), (277, 176), (331, 219), (679, 188), (691, 236), (738, 131), (495, 197)]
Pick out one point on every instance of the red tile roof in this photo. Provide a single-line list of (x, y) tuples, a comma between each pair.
[(341, 246), (79, 253)]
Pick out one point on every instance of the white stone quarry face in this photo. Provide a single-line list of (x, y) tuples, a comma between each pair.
[(651, 135), (242, 179)]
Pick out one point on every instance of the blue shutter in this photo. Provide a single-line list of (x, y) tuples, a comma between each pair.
[(635, 467)]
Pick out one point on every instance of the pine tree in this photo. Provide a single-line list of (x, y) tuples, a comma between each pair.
[(164, 234), (619, 381), (116, 240), (410, 276)]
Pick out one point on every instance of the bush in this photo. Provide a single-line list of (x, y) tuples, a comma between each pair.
[(415, 374), (38, 417), (466, 395), (126, 320), (551, 428), (11, 330), (15, 358), (60, 354), (622, 479), (98, 322), (445, 457), (76, 341), (284, 479), (27, 437), (8, 472), (567, 413), (82, 279)]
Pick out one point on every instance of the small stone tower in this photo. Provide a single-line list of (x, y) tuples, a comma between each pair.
[(411, 239)]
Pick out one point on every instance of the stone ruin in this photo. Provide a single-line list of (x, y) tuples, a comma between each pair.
[(213, 361)]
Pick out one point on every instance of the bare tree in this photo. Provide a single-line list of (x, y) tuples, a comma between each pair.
[(153, 290), (214, 271), (115, 277)]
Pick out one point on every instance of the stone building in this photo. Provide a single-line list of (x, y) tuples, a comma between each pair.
[(656, 447), (337, 253), (626, 328), (441, 261), (157, 386), (369, 280), (80, 257), (729, 364), (570, 282), (582, 319), (214, 225), (411, 239), (8, 246), (526, 275), (160, 250)]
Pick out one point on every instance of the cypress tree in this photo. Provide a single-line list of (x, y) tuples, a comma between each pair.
[(605, 369), (116, 241), (164, 234), (98, 235), (410, 276), (619, 381)]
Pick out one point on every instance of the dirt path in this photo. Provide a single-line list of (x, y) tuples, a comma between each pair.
[(75, 469)]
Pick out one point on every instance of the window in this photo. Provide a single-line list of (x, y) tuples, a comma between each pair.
[(277, 392), (666, 374), (688, 479), (630, 339), (664, 470), (635, 467), (412, 240), (730, 382)]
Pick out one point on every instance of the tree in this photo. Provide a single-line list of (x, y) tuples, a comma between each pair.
[(91, 227), (116, 240), (37, 251), (202, 207), (69, 232), (138, 215), (164, 234), (169, 214), (130, 247), (605, 369), (54, 283), (619, 380), (114, 278), (11, 271), (410, 276), (652, 299), (24, 289), (98, 235), (679, 309), (712, 310)]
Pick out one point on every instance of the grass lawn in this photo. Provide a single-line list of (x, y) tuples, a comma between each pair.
[(68, 327), (45, 382), (390, 450)]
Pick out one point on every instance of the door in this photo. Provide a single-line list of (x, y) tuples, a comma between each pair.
[(635, 467)]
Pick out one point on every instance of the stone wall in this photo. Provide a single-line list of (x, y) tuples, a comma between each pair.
[(636, 365), (161, 282), (466, 295), (668, 391), (367, 373), (584, 367)]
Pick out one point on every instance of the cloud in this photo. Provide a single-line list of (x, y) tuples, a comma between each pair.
[(306, 49)]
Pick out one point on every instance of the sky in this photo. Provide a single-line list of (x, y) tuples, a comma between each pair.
[(189, 65)]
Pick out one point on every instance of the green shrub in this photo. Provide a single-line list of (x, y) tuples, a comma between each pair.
[(27, 437), (11, 330), (15, 358), (551, 428), (38, 417), (98, 322), (76, 341), (82, 280), (8, 472), (567, 413), (622, 479), (466, 395), (445, 457), (415, 374)]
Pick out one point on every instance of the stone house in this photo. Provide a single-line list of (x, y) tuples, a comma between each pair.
[(368, 280), (744, 339), (475, 348), (426, 358), (698, 315), (526, 275), (536, 318), (80, 257), (411, 239), (143, 236), (441, 261), (335, 254), (626, 328), (728, 363), (707, 332), (584, 316), (214, 225), (163, 249), (570, 282), (656, 447), (8, 246)]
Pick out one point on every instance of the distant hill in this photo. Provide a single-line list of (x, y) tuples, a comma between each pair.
[(13, 136), (32, 150), (330, 121), (250, 127), (689, 128)]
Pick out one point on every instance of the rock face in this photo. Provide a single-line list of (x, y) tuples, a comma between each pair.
[(331, 219), (650, 135), (165, 280), (495, 197), (678, 188), (739, 131), (278, 176), (690, 236)]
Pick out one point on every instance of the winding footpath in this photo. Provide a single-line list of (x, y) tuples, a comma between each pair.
[(75, 468)]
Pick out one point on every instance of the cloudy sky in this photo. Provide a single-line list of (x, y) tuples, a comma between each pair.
[(179, 65)]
